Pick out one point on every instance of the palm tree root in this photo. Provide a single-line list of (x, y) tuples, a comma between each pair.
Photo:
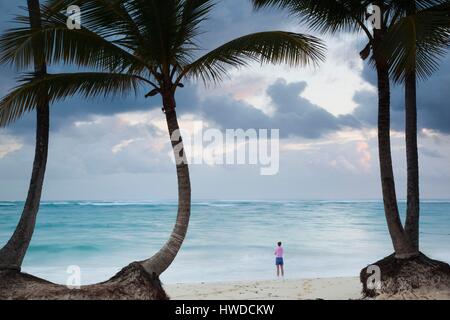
[(131, 283), (418, 277)]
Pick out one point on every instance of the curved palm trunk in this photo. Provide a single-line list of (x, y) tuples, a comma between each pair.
[(162, 259), (401, 244), (13, 253)]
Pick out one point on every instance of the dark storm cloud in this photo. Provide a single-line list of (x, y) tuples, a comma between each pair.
[(294, 115), (433, 101)]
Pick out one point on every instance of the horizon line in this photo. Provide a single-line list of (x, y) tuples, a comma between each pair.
[(229, 200)]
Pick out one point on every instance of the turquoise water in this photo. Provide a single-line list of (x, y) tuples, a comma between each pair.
[(227, 240)]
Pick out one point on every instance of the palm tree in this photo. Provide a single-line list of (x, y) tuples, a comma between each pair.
[(135, 43), (13, 253), (389, 55), (413, 46), (418, 37), (350, 15)]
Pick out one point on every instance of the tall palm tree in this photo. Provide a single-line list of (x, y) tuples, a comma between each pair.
[(333, 16), (13, 253), (413, 46), (411, 37), (418, 36), (135, 43)]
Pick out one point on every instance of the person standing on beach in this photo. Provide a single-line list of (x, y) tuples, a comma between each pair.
[(279, 259)]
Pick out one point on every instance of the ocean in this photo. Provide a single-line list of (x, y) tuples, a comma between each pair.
[(227, 240)]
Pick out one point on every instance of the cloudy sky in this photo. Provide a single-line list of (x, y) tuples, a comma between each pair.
[(119, 150)]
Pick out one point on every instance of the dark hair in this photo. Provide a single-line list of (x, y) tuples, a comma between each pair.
[(279, 244)]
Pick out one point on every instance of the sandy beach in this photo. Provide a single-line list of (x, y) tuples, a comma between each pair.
[(288, 289), (291, 289)]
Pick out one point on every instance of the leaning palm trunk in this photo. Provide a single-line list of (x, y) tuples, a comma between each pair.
[(158, 263), (13, 253), (137, 280)]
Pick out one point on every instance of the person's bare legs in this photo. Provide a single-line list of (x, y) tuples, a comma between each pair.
[(282, 270), (278, 270)]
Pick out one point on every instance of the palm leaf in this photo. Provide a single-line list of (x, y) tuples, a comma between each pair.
[(193, 12), (159, 32), (418, 42), (82, 47), (323, 16), (106, 17), (266, 47), (25, 97)]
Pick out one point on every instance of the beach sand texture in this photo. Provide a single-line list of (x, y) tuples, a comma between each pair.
[(290, 289), (287, 289)]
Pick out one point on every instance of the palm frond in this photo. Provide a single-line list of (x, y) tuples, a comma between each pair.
[(82, 47), (159, 32), (266, 47), (192, 13), (323, 16), (404, 5), (418, 42), (108, 18), (57, 87)]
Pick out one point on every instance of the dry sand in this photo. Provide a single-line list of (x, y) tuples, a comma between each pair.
[(288, 289)]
